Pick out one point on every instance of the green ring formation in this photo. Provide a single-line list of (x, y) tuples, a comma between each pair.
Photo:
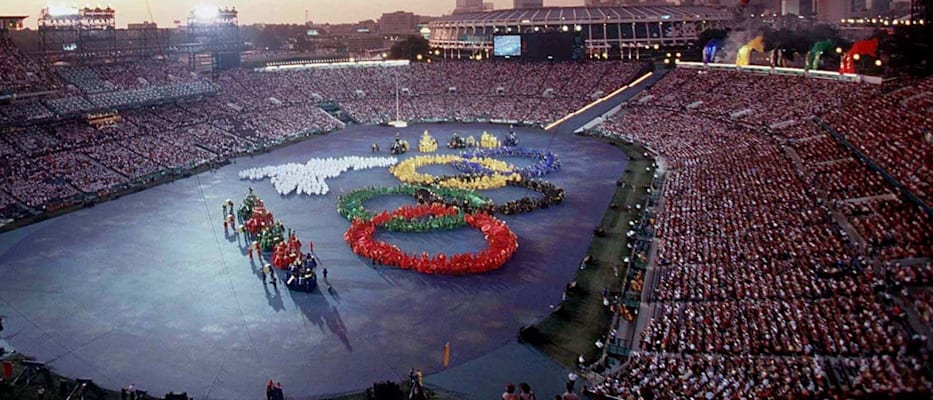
[(351, 206)]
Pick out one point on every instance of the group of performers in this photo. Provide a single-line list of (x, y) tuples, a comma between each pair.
[(264, 234), (428, 144), (302, 273), (457, 142), (501, 242), (399, 146), (229, 219), (512, 139), (486, 140)]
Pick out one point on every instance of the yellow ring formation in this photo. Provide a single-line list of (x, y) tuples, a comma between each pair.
[(407, 171)]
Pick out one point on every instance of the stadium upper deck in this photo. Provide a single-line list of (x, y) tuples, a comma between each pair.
[(601, 27)]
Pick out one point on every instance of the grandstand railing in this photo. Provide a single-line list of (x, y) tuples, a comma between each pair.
[(763, 69), (122, 100), (907, 193)]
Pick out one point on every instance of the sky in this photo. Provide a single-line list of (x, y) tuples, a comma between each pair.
[(254, 11)]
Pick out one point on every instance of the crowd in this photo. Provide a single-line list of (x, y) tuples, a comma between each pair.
[(19, 74), (894, 130), (528, 92), (753, 98), (891, 226), (70, 91), (243, 111), (170, 120), (759, 291)]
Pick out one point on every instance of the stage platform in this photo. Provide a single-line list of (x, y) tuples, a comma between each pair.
[(147, 289)]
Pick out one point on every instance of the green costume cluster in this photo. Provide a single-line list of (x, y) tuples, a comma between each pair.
[(246, 209), (268, 238), (351, 206)]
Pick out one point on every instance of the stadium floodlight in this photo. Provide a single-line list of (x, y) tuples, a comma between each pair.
[(60, 10), (206, 12)]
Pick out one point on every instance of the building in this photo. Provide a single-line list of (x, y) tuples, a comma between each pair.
[(626, 3), (399, 22), (142, 25), (798, 7), (833, 11), (876, 7), (807, 8), (11, 23), (614, 30), (469, 6), (519, 4)]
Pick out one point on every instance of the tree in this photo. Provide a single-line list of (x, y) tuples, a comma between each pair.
[(410, 48)]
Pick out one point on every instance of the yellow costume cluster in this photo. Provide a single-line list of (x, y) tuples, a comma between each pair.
[(427, 144), (488, 141), (406, 171)]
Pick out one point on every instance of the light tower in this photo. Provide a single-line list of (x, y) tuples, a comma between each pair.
[(213, 42), (70, 32)]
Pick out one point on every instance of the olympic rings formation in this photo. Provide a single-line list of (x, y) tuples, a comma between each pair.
[(553, 195), (449, 202), (500, 173), (547, 161), (501, 243), (351, 206)]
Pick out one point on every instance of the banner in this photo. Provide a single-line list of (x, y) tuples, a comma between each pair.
[(745, 53), (861, 48), (813, 57), (709, 52)]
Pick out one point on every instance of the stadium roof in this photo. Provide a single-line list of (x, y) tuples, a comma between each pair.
[(564, 15)]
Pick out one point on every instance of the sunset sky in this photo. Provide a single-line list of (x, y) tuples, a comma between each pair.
[(252, 11)]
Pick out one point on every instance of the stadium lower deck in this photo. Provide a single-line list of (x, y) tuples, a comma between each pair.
[(147, 289)]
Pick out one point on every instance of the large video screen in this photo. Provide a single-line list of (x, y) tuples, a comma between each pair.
[(507, 45), (552, 46)]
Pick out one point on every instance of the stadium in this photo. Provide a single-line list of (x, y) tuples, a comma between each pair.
[(567, 213)]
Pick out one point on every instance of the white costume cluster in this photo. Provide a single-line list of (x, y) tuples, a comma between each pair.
[(310, 178)]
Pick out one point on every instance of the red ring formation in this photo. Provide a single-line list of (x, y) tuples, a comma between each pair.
[(501, 243)]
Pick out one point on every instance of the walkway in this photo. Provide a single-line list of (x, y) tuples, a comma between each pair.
[(599, 108)]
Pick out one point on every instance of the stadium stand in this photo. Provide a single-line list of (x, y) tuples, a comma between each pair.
[(759, 291)]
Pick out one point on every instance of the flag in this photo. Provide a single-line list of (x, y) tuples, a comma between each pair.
[(446, 354)]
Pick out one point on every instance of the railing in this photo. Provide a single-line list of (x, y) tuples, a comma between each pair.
[(907, 193)]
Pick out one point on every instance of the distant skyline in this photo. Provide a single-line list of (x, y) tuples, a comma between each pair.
[(164, 12)]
